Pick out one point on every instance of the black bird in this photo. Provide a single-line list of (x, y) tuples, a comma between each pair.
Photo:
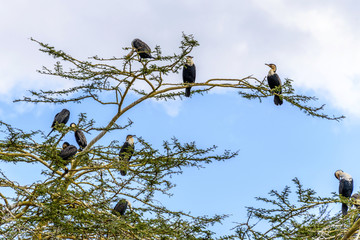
[(79, 136), (274, 81), (126, 152), (121, 207), (142, 48), (346, 187), (189, 74), (68, 151), (61, 117)]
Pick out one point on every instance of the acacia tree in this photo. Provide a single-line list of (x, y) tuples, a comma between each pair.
[(76, 203)]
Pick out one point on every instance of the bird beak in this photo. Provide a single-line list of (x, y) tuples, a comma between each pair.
[(267, 64)]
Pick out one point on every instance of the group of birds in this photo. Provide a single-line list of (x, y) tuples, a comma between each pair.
[(68, 151), (346, 187), (189, 70), (189, 75)]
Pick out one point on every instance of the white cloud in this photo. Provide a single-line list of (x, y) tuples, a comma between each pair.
[(316, 44)]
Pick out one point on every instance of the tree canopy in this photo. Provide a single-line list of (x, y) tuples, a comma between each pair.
[(75, 199)]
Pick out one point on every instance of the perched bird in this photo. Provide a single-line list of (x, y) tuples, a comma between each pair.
[(274, 81), (189, 74), (79, 136), (126, 152), (61, 117), (121, 207), (345, 187), (68, 151), (356, 199), (142, 48)]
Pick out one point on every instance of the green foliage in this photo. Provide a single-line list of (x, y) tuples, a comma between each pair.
[(73, 199), (302, 216)]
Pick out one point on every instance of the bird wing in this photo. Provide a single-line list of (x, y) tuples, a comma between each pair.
[(274, 81), (68, 152), (189, 73), (140, 46), (121, 206), (126, 151), (80, 138), (346, 187)]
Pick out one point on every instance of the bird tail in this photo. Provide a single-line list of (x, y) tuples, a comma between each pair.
[(187, 91), (50, 132), (278, 100), (344, 208)]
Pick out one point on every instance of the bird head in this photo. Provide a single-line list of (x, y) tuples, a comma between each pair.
[(272, 66), (189, 60), (73, 125), (130, 139), (337, 173), (65, 145)]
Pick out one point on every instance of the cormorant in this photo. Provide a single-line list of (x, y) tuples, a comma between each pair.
[(121, 206), (142, 48), (345, 187), (274, 81), (61, 117), (68, 151), (79, 136), (356, 199), (189, 74), (126, 153)]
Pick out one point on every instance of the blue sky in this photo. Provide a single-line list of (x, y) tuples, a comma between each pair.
[(315, 44)]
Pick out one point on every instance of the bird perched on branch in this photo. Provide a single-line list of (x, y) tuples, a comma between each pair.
[(68, 151), (346, 187), (142, 48), (274, 81), (189, 74), (79, 136), (356, 199), (61, 117), (126, 152), (121, 207)]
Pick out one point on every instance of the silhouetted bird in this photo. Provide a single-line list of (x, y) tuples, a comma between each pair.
[(68, 151), (142, 48), (345, 187), (121, 207), (274, 81), (61, 117), (126, 152), (189, 74), (79, 136)]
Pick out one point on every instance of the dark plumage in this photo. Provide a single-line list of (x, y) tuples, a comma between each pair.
[(68, 151), (142, 48), (189, 74), (346, 187), (126, 152), (61, 117), (79, 136), (121, 207), (274, 81)]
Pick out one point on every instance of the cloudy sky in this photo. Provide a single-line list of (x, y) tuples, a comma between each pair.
[(314, 43)]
